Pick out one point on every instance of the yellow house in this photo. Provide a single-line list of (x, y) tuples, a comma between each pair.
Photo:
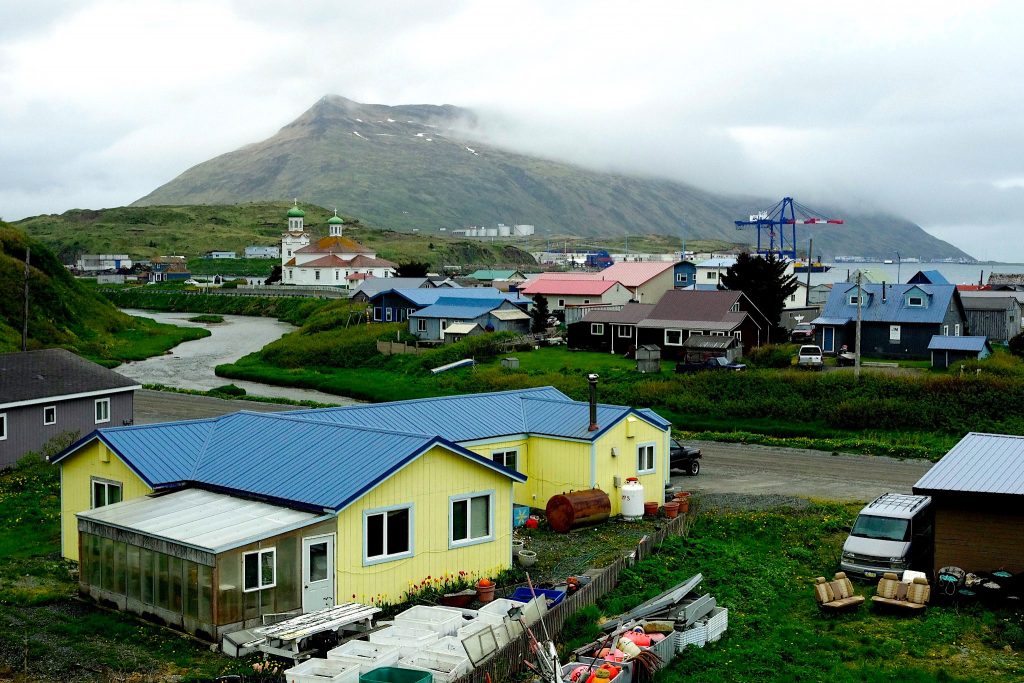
[(209, 524)]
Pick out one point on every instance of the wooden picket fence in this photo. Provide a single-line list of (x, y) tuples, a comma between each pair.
[(507, 662)]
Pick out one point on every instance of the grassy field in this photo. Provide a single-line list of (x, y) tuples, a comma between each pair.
[(911, 415), (295, 310), (252, 267), (760, 565)]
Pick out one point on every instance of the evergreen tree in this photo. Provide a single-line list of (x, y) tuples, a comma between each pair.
[(539, 314), (763, 279)]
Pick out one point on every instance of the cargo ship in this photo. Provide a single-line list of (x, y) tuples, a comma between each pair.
[(813, 267)]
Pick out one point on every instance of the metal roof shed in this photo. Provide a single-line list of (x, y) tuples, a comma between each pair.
[(196, 558), (977, 490)]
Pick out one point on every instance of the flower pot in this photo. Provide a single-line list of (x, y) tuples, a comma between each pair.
[(485, 593), (683, 498), (517, 545), (671, 509), (650, 509), (527, 558)]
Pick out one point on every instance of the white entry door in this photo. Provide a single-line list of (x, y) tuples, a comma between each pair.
[(317, 573)]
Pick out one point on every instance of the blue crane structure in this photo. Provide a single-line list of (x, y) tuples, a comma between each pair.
[(775, 220)]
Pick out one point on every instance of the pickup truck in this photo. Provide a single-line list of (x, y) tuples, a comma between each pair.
[(802, 332), (720, 363), (810, 357), (685, 458)]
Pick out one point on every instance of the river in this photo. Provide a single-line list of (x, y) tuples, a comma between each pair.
[(190, 365)]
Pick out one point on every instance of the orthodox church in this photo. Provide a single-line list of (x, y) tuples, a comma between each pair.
[(335, 260)]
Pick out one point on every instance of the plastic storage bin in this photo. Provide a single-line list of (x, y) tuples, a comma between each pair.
[(438, 619), (717, 623), (323, 671), (395, 674), (407, 639), (450, 645), (694, 635), (367, 655), (442, 667), (525, 595)]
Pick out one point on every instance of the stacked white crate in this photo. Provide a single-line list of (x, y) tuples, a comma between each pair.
[(367, 655), (323, 671)]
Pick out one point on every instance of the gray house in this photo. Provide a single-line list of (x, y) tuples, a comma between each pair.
[(995, 317), (490, 315), (46, 393)]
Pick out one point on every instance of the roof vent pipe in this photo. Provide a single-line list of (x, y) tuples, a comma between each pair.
[(592, 378)]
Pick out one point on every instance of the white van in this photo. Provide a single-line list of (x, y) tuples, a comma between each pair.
[(892, 533)]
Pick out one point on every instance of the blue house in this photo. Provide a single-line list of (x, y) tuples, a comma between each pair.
[(684, 274), (455, 317), (396, 305), (897, 321), (927, 277)]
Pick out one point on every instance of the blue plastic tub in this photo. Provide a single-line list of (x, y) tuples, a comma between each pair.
[(520, 513), (524, 595)]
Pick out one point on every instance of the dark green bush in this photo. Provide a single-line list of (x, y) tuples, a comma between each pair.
[(229, 390), (772, 356)]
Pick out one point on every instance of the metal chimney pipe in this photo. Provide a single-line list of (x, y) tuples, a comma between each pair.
[(592, 378)]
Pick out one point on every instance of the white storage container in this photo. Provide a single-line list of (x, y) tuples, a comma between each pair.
[(407, 639), (445, 622), (444, 668), (323, 671), (718, 622), (631, 498), (497, 609), (367, 655), (450, 645), (480, 639), (695, 635)]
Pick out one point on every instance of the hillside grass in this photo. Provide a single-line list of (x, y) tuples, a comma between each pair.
[(919, 415), (760, 566), (70, 314), (294, 310)]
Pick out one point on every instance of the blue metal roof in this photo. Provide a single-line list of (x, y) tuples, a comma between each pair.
[(426, 297), (895, 308), (458, 307), (831, 321), (979, 463), (941, 342), (929, 277), (470, 417), (276, 457)]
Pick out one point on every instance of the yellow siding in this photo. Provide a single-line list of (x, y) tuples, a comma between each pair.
[(427, 483), (552, 466), (76, 472), (624, 464)]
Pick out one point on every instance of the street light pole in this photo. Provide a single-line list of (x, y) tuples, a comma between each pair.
[(856, 357)]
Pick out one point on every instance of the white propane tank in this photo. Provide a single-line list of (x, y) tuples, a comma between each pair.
[(632, 499)]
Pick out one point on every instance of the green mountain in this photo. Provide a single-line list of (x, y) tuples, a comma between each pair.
[(66, 312), (415, 167)]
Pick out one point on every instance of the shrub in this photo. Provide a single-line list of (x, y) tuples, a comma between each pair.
[(1016, 345), (772, 356), (229, 390)]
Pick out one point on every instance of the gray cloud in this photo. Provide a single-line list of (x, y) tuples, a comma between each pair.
[(871, 106)]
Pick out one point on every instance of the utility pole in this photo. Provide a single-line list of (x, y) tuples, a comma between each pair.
[(24, 323), (856, 357), (810, 267)]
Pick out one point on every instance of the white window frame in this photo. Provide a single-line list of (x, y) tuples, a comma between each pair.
[(711, 275), (945, 330), (107, 485), (681, 277), (259, 569), (53, 420), (561, 303), (504, 454), (919, 304), (956, 330), (895, 334), (291, 274), (421, 324), (692, 333), (628, 329), (443, 324), (470, 540), (337, 275), (736, 306), (853, 299), (739, 335), (96, 410), (388, 314), (597, 329), (3, 426), (650, 447), (316, 275), (717, 333), (378, 312), (679, 343), (379, 559), (586, 301)]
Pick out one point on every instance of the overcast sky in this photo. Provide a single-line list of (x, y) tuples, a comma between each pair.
[(909, 107)]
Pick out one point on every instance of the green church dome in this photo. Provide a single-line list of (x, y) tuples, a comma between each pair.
[(335, 220), (296, 212)]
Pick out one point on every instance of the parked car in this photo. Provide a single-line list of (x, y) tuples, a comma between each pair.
[(809, 357), (892, 533), (685, 458), (719, 363), (802, 332)]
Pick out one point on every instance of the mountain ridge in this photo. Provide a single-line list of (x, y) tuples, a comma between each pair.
[(421, 166)]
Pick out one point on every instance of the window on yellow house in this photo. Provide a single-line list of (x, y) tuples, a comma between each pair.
[(387, 534), (105, 492), (645, 458), (471, 519)]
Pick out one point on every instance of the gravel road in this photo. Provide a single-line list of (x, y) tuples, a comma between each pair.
[(729, 468), (164, 406)]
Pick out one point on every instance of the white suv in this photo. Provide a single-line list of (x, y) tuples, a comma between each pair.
[(809, 357)]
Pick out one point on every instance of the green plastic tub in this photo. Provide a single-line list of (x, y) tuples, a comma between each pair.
[(395, 674)]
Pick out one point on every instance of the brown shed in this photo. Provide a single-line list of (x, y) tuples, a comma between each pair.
[(977, 492)]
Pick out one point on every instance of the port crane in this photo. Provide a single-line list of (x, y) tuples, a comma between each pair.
[(774, 222)]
